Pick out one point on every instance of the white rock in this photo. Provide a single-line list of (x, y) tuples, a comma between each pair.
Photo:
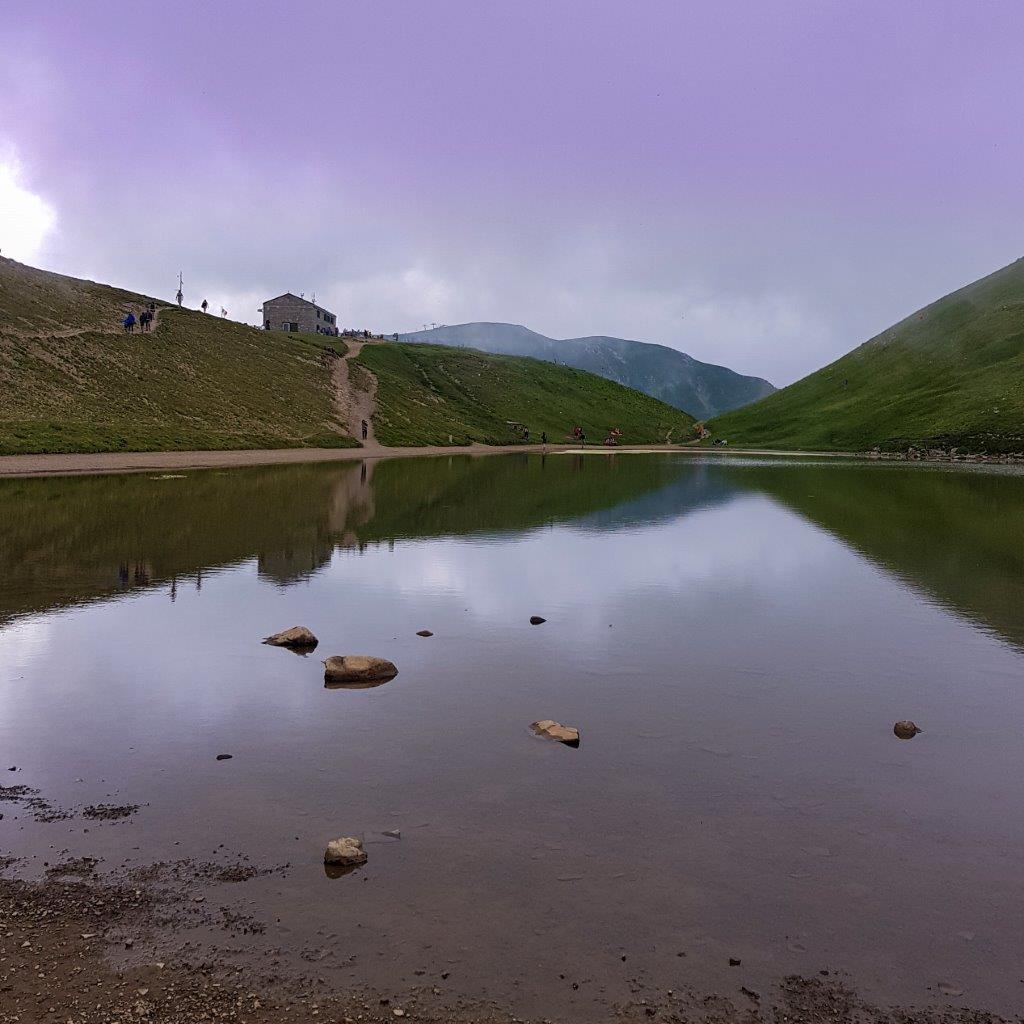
[(346, 852)]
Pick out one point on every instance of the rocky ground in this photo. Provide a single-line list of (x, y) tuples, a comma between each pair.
[(81, 944)]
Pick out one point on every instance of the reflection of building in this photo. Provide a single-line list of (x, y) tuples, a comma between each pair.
[(291, 565), (293, 313)]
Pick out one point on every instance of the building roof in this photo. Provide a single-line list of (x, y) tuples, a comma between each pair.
[(298, 298)]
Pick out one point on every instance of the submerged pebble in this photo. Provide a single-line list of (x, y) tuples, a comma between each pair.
[(905, 729), (537, 620)]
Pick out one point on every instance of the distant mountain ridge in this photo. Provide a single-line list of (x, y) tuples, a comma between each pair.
[(679, 380)]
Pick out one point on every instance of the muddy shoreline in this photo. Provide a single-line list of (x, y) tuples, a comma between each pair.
[(148, 462), (80, 945), (173, 941)]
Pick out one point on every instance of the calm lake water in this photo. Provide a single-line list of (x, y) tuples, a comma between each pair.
[(734, 639)]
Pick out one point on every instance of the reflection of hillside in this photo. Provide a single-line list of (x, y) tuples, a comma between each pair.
[(959, 536), (700, 486), (71, 539), (432, 497), (74, 539)]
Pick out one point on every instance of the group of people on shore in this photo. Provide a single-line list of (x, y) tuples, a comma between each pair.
[(143, 321)]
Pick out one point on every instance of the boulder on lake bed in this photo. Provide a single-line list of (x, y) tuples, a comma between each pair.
[(297, 636), (537, 620), (345, 852), (424, 632), (906, 730), (555, 731), (358, 668)]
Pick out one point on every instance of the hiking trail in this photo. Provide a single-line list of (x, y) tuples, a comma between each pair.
[(355, 403)]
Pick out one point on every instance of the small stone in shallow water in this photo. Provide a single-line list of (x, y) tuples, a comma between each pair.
[(345, 852), (537, 620), (552, 730), (224, 757), (905, 730), (424, 632), (297, 636), (358, 668)]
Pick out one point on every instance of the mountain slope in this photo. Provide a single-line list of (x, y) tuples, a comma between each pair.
[(430, 394), (950, 375), (701, 389), (71, 380)]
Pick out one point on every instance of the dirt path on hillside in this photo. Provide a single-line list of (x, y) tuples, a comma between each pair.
[(356, 404)]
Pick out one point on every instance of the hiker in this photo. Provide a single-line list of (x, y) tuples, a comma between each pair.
[(142, 320), (583, 437), (204, 305), (129, 323), (526, 434), (543, 437), (366, 429)]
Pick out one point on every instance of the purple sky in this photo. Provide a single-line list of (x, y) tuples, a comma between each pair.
[(760, 184)]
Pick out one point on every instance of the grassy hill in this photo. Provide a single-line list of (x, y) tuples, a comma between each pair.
[(950, 375), (72, 381), (429, 394), (702, 389)]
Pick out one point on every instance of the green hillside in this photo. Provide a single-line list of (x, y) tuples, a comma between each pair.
[(429, 394), (72, 381), (950, 375)]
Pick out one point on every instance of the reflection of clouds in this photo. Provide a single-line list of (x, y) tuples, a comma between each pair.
[(751, 544), (22, 641)]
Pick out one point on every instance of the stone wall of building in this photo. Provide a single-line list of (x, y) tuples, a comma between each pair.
[(279, 314)]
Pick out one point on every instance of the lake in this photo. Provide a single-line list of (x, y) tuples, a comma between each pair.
[(733, 637)]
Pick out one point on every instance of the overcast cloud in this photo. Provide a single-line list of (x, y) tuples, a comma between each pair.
[(761, 185)]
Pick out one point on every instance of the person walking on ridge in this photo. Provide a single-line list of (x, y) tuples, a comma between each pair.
[(204, 305), (129, 323)]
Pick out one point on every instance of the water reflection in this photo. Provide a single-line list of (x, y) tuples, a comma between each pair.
[(955, 535), (734, 639)]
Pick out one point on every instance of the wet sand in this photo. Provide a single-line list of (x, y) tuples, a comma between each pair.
[(146, 462), (85, 945)]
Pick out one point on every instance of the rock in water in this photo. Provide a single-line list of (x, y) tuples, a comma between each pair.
[(554, 731), (424, 632), (297, 636), (905, 730), (536, 620), (224, 757), (345, 852), (358, 668)]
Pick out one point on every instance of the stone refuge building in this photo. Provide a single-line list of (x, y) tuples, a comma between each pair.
[(292, 313)]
